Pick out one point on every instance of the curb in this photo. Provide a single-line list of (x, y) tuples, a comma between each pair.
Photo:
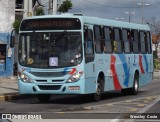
[(14, 96)]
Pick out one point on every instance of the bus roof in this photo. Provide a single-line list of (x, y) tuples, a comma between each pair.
[(98, 21), (115, 23)]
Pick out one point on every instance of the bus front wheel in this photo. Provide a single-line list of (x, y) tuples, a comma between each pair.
[(97, 95), (44, 98), (99, 87)]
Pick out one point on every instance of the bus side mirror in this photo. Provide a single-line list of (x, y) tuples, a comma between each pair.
[(12, 39)]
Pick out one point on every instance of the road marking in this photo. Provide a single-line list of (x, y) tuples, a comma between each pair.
[(146, 101), (60, 112), (128, 101), (149, 98), (109, 104), (143, 110), (141, 105), (133, 110)]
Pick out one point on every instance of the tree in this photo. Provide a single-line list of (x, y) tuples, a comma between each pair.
[(65, 6), (156, 41), (39, 11), (155, 31), (16, 25)]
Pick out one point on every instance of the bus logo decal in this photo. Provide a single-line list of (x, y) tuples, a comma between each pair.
[(117, 85), (65, 70), (73, 71)]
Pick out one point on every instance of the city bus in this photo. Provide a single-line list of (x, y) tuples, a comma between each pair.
[(76, 54)]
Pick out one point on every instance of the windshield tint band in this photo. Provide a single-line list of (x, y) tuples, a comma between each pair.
[(51, 24)]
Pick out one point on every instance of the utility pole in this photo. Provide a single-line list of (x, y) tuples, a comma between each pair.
[(50, 9), (143, 5), (134, 10), (28, 8), (129, 15), (53, 6)]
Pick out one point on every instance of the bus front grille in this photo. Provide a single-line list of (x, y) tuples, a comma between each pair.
[(57, 80), (41, 80), (49, 87), (49, 74)]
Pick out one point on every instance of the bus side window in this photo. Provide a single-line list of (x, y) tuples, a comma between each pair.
[(142, 42), (146, 42), (107, 39), (98, 39), (136, 46), (89, 47), (149, 42), (131, 38), (88, 42), (117, 44), (126, 40)]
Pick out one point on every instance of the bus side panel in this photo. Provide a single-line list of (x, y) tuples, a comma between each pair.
[(123, 69), (146, 68), (90, 78), (101, 64), (109, 83)]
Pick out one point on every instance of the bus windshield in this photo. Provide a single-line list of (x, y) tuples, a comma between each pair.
[(50, 49)]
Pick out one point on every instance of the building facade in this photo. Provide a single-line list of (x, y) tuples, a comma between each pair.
[(7, 17)]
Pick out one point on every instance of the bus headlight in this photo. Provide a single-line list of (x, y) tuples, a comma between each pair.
[(24, 78), (75, 77)]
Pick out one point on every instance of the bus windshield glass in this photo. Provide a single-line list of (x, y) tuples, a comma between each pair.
[(50, 49)]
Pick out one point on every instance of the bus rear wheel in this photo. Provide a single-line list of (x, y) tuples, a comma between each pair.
[(44, 98), (134, 89)]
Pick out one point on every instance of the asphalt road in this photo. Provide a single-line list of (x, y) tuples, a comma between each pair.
[(111, 103)]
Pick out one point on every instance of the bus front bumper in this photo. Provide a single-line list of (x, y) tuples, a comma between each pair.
[(66, 88)]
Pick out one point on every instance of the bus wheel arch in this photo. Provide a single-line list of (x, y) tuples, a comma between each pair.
[(99, 87)]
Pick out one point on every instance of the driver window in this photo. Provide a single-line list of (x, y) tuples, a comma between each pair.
[(89, 47), (88, 42)]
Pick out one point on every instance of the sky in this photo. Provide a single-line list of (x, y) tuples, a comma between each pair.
[(112, 9)]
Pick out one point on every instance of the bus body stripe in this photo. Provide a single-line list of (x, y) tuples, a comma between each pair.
[(117, 86), (65, 70), (145, 58), (73, 71), (140, 64), (125, 68)]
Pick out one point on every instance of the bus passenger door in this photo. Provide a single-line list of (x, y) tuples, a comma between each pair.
[(89, 61)]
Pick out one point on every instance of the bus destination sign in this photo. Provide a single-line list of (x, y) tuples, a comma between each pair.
[(51, 24)]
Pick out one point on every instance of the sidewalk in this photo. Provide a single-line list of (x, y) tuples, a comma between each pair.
[(156, 74), (9, 87)]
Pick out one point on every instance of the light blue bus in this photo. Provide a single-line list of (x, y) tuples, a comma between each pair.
[(76, 54)]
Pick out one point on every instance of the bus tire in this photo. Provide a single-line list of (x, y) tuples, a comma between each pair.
[(44, 98), (97, 95), (134, 89)]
